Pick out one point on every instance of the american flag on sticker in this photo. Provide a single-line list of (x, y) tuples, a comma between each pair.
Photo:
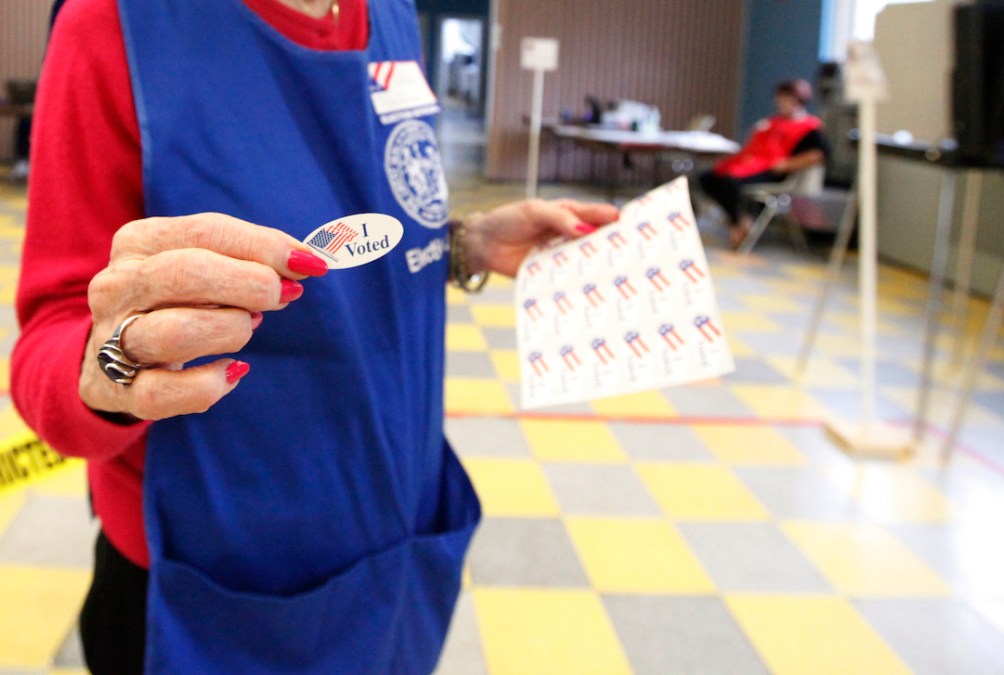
[(332, 237), (381, 74)]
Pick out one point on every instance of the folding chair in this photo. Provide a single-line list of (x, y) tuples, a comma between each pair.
[(777, 199)]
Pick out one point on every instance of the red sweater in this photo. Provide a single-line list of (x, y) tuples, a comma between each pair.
[(86, 182)]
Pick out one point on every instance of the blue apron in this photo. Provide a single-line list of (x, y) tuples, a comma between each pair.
[(315, 520)]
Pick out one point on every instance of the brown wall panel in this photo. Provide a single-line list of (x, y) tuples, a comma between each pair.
[(684, 56), (24, 25)]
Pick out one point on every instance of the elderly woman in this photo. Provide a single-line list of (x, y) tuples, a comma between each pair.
[(789, 141), (264, 437)]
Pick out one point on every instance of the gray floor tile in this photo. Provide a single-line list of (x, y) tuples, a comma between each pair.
[(463, 653), (818, 446), (486, 437), (799, 493), (937, 636), (459, 314), (600, 489), (499, 337), (50, 531), (969, 557), (660, 442), (525, 552), (706, 401), (470, 364), (495, 295), (681, 636), (846, 404), (755, 371), (70, 654), (752, 558)]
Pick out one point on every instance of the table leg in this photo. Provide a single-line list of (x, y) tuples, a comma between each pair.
[(932, 312)]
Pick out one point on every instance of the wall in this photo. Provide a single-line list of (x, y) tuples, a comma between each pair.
[(24, 25), (782, 42), (681, 55)]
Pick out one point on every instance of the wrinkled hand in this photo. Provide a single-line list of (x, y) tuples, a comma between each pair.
[(501, 239), (201, 283)]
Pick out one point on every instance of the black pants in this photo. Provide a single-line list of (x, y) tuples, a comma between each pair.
[(727, 191), (113, 620)]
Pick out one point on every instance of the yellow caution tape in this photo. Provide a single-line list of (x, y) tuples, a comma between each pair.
[(24, 459)]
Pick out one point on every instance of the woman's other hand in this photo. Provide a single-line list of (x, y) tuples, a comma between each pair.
[(501, 239)]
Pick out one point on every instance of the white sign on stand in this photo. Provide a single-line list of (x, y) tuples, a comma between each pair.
[(539, 55), (866, 85)]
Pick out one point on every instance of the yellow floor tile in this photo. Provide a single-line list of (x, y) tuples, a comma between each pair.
[(820, 371), (455, 296), (637, 555), (864, 560), (547, 632), (643, 404), (39, 608), (68, 480), (739, 348), (511, 487), (469, 395), (503, 316), (772, 303), (891, 493), (782, 402), (813, 634), (506, 362), (11, 501), (839, 346), (462, 337), (700, 492), (748, 321), (572, 441), (749, 444)]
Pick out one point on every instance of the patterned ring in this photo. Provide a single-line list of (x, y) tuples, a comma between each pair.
[(113, 362)]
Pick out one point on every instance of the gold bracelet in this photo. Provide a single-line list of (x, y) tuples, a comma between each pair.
[(470, 283)]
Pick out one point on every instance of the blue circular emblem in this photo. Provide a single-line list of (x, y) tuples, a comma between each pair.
[(415, 173)]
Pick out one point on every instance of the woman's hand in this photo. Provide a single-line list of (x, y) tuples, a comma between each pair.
[(499, 240), (200, 284)]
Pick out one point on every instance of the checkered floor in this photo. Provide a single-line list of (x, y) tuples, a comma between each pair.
[(712, 528)]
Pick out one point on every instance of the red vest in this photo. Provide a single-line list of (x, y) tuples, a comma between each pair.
[(773, 139)]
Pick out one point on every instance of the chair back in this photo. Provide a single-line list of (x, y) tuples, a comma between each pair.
[(808, 181)]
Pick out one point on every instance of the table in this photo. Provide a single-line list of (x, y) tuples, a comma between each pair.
[(945, 156), (627, 142)]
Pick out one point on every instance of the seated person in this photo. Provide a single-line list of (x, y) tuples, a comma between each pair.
[(789, 141)]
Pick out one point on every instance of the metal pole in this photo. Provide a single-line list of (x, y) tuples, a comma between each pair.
[(533, 162)]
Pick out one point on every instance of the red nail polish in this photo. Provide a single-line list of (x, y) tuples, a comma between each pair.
[(256, 319), (585, 228), (302, 262), (291, 290), (236, 371)]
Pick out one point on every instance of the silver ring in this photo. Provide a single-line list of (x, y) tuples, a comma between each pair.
[(113, 362)]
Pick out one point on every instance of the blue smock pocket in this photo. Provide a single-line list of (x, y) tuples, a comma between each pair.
[(386, 613)]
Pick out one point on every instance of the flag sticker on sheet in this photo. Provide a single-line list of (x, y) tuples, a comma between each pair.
[(636, 311), (399, 91)]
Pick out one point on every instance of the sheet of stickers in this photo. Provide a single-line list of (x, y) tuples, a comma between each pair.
[(627, 308)]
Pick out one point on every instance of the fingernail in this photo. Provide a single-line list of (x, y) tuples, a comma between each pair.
[(302, 262), (256, 319), (584, 228), (291, 290), (236, 371)]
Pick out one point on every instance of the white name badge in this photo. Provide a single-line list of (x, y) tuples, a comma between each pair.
[(399, 91), (356, 240)]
